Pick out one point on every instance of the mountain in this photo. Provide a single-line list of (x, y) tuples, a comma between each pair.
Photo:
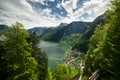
[(77, 34), (37, 30), (81, 43), (3, 29), (56, 34), (63, 24), (64, 31)]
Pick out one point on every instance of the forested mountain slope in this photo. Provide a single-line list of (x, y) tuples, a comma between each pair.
[(64, 30), (81, 43)]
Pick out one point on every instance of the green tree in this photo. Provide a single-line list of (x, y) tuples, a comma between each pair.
[(21, 64), (106, 55), (63, 72), (3, 63), (110, 46), (93, 57), (49, 76), (40, 57)]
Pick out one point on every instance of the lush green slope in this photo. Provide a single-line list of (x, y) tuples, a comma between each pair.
[(70, 39), (76, 34), (61, 31), (20, 57), (104, 49), (81, 44)]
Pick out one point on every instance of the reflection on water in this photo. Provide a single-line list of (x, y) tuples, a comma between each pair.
[(55, 52)]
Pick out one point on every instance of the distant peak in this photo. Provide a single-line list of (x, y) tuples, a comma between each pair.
[(62, 24), (2, 27)]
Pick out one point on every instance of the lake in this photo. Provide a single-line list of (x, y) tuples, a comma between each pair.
[(55, 53)]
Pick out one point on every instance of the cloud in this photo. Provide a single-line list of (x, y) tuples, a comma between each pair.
[(40, 1), (46, 12), (59, 6), (93, 8), (51, 0), (19, 10), (69, 5)]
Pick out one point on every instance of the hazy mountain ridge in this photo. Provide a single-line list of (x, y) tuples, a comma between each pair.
[(77, 27), (37, 30), (59, 32), (78, 36), (3, 29), (76, 33)]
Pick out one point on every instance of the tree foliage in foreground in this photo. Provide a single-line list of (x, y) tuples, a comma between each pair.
[(40, 57), (3, 63), (20, 63), (111, 45), (20, 57), (63, 72), (105, 56), (93, 56), (49, 75)]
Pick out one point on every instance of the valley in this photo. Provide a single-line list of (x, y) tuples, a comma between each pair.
[(60, 40), (55, 52)]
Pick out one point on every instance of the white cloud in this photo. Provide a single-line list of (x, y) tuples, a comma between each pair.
[(58, 6), (52, 0), (19, 10), (93, 8), (46, 12), (22, 12), (69, 5), (61, 12), (40, 1)]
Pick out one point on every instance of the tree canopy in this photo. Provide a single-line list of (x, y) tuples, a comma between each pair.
[(104, 48)]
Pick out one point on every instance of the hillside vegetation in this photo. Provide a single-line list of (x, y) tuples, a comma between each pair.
[(104, 48)]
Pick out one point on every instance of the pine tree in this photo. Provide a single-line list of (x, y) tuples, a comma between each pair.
[(111, 45), (49, 76), (21, 64), (3, 63), (106, 55), (93, 56), (40, 57)]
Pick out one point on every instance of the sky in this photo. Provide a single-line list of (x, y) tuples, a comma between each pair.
[(50, 13)]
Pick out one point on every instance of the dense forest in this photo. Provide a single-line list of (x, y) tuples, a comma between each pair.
[(104, 48), (20, 58)]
